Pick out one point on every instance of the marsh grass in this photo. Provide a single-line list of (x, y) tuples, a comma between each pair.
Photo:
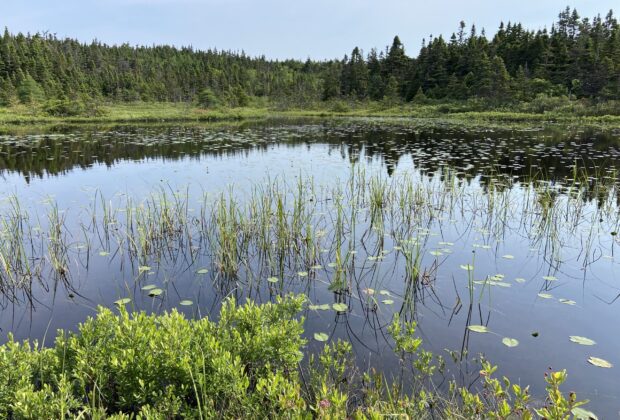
[(345, 234)]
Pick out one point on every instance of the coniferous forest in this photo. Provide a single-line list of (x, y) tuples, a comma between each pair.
[(577, 57)]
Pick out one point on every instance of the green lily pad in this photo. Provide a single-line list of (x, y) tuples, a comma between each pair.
[(149, 287), (388, 301), (321, 337), (186, 303), (155, 292), (143, 268), (202, 271), (602, 363), (340, 307), (582, 340), (550, 278), (104, 253), (545, 296), (324, 307), (478, 328), (568, 302), (122, 301), (510, 342), (273, 280), (303, 274), (467, 267)]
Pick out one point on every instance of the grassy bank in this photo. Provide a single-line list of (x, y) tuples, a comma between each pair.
[(462, 113), (249, 364)]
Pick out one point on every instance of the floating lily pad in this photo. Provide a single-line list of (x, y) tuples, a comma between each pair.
[(508, 257), (384, 292), (599, 362), (388, 301), (340, 307), (478, 328), (550, 278), (149, 287), (321, 337), (582, 340), (186, 303), (324, 307), (202, 271), (510, 342), (545, 296), (143, 268), (436, 253), (104, 253), (123, 301), (303, 274), (467, 267), (155, 292), (520, 280), (568, 302), (272, 280)]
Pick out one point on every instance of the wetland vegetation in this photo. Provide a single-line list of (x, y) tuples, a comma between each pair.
[(383, 265), (383, 235)]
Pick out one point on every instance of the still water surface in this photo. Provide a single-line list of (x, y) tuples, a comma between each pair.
[(532, 212)]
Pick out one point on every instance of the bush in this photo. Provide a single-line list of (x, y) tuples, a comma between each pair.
[(244, 365)]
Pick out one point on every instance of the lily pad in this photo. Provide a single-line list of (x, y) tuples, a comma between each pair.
[(143, 268), (324, 307), (545, 296), (467, 267), (149, 287), (550, 278), (303, 274), (321, 337), (478, 328), (600, 362), (582, 340), (510, 342), (123, 301), (155, 292), (508, 257), (272, 280), (186, 302), (202, 271), (340, 307), (568, 302), (104, 253), (388, 301)]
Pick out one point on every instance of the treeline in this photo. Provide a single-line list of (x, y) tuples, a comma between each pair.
[(578, 57)]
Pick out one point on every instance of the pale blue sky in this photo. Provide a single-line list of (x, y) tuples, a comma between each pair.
[(278, 28)]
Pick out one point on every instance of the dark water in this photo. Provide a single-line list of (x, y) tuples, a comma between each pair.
[(533, 211)]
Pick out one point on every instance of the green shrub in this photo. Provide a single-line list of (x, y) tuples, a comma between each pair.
[(122, 363), (139, 366)]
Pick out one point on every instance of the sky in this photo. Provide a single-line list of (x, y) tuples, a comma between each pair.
[(279, 29)]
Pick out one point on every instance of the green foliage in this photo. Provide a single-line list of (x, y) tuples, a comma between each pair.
[(124, 366), (244, 365), (578, 58), (29, 91), (207, 99)]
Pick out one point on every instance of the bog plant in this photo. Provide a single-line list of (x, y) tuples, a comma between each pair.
[(247, 365)]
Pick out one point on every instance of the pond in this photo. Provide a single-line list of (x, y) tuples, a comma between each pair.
[(497, 242)]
